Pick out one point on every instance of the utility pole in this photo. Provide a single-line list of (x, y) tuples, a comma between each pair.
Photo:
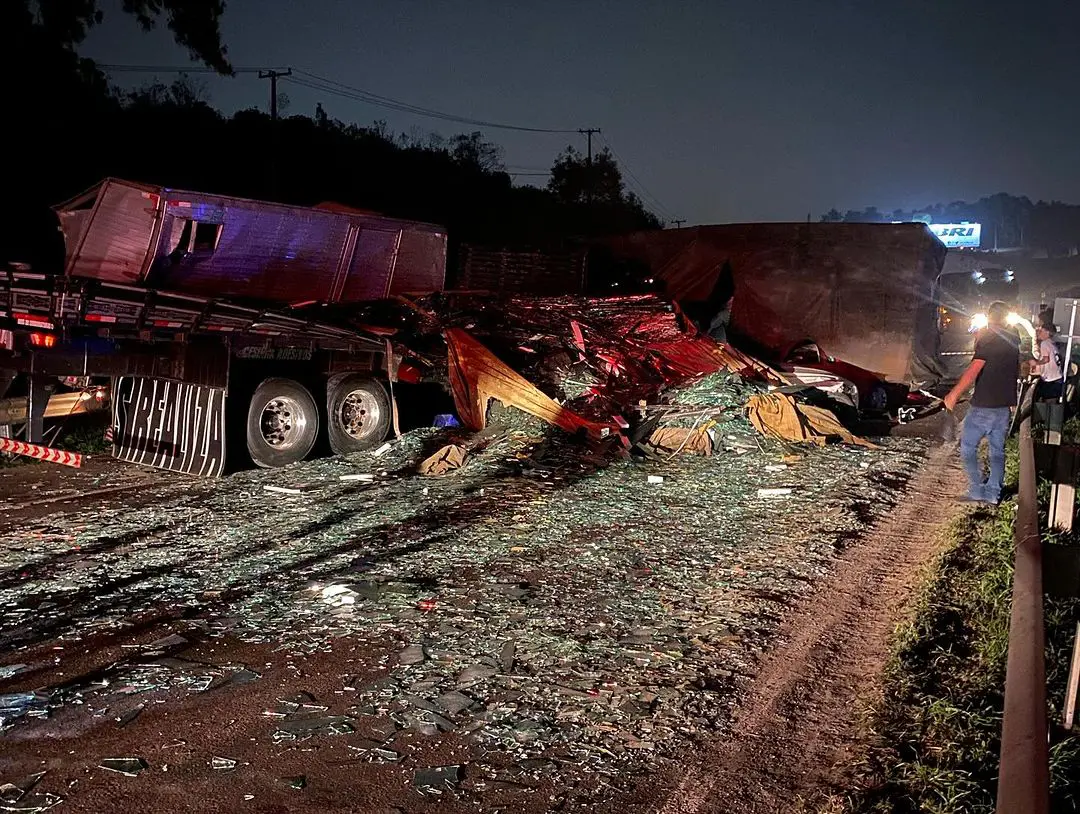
[(588, 133), (273, 77), (678, 222)]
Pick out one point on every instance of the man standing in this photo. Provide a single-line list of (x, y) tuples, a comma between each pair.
[(1050, 379), (993, 370)]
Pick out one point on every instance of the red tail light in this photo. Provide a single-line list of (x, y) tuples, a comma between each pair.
[(42, 340)]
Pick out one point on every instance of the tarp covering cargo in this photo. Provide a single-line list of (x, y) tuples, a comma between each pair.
[(220, 246), (864, 292)]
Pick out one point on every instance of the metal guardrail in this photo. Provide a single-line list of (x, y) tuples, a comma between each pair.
[(60, 405), (1024, 773)]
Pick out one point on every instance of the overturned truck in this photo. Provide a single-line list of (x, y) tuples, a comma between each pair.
[(867, 293), (204, 313)]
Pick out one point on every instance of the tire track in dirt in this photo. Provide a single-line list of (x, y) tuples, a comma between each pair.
[(796, 736)]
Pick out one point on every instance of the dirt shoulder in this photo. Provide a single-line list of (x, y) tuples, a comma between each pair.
[(798, 734)]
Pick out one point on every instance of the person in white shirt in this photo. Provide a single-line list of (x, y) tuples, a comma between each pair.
[(1050, 379)]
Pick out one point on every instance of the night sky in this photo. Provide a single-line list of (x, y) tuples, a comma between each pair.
[(724, 111)]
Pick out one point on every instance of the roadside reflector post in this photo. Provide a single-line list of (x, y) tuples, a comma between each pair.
[(1062, 506), (1063, 477), (1069, 712)]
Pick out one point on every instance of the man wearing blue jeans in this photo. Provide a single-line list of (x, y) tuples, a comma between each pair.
[(994, 368)]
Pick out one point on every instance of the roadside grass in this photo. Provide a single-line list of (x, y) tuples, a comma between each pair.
[(1071, 431), (937, 726), (85, 435)]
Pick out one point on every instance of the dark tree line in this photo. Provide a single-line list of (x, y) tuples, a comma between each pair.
[(1008, 221), (71, 128)]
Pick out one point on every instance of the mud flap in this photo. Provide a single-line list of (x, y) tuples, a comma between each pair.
[(169, 425)]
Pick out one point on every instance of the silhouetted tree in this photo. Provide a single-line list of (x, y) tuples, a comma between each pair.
[(195, 24), (574, 180), (170, 134), (473, 150), (595, 196)]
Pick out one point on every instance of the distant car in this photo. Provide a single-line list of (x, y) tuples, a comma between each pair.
[(875, 394)]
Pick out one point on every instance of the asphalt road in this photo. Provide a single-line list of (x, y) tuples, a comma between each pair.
[(543, 630)]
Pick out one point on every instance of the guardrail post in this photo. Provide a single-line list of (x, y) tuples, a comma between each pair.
[(1068, 714), (1024, 774)]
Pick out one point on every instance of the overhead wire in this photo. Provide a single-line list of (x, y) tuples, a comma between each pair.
[(311, 80), (314, 81), (637, 181), (108, 68)]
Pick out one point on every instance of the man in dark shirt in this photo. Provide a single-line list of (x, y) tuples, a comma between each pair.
[(993, 370)]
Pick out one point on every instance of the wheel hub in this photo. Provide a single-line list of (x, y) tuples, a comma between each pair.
[(283, 422), (359, 414)]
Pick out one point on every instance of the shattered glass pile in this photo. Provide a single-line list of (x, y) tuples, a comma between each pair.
[(569, 610)]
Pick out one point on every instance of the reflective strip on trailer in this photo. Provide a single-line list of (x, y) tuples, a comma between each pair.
[(31, 321)]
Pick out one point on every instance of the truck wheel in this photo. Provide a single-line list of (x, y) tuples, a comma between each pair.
[(359, 414), (282, 423)]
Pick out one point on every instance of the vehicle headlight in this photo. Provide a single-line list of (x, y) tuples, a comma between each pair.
[(978, 322)]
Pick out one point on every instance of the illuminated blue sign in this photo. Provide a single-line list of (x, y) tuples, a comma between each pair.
[(958, 235)]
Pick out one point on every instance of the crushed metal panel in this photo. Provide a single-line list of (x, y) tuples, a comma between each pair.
[(169, 425), (113, 241), (477, 376), (73, 226)]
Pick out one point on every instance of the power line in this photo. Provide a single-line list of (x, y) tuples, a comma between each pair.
[(172, 69), (321, 83), (317, 82), (313, 81), (641, 187)]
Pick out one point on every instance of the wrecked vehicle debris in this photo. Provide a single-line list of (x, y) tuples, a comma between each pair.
[(579, 589)]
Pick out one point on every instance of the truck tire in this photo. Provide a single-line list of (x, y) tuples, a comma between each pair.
[(358, 413), (282, 423)]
